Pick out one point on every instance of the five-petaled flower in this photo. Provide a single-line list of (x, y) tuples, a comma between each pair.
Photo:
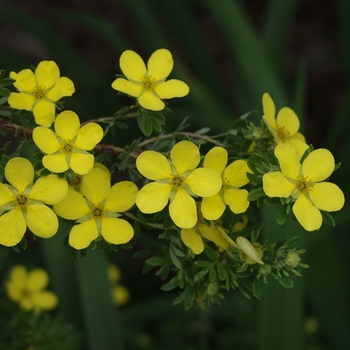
[(97, 211), (67, 147), (176, 180), (304, 183), (233, 176), (23, 204), (39, 91), (28, 289), (284, 128), (148, 84)]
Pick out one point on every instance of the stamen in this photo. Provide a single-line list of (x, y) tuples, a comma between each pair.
[(177, 180), (39, 91), (148, 82), (67, 148), (21, 199), (283, 133), (97, 213)]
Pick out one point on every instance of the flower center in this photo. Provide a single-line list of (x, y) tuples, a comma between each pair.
[(283, 133), (21, 199), (148, 83), (67, 148), (39, 91), (177, 181), (97, 213)]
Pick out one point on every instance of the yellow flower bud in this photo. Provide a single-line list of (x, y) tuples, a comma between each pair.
[(292, 260)]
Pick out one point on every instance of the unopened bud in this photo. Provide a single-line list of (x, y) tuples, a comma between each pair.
[(292, 260)]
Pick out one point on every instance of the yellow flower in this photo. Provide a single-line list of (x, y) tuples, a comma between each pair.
[(120, 294), (192, 237), (285, 127), (28, 289), (304, 183), (233, 177), (148, 85), (97, 212), (67, 147), (39, 91), (176, 180), (22, 204)]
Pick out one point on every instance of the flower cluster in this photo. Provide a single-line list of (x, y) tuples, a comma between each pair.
[(203, 201)]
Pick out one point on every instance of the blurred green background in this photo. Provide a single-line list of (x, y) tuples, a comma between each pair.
[(230, 52)]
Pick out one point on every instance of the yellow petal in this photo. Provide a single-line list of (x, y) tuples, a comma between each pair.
[(172, 88), (44, 113), (153, 165), (236, 174), (37, 279), (67, 125), (132, 65), (121, 197), (116, 231), (275, 184), (47, 74), (289, 159), (204, 182), (25, 80), (6, 195), (81, 163), (213, 207), (269, 110), (21, 101), (300, 145), (248, 249), (12, 227), (83, 234), (160, 64), (213, 234), (183, 210), (318, 165), (192, 240), (327, 196), (46, 140), (150, 101), (45, 300), (185, 156), (153, 197), (236, 199), (127, 87), (19, 172), (49, 189), (57, 163), (307, 214), (41, 220), (216, 159), (63, 87), (89, 136), (96, 185), (288, 120), (72, 207)]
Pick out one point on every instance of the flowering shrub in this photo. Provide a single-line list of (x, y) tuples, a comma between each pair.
[(200, 196)]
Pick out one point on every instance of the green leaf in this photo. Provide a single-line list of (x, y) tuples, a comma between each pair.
[(256, 194), (174, 258), (155, 261), (200, 274), (286, 282), (257, 287), (173, 283), (282, 215), (328, 218), (222, 273)]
